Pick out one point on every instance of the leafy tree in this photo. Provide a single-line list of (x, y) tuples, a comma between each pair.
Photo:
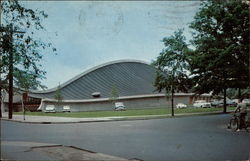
[(232, 93), (172, 66), (114, 94), (58, 95), (246, 93), (221, 40), (25, 47), (26, 80)]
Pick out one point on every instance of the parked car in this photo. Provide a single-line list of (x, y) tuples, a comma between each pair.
[(231, 103), (50, 108), (202, 104), (66, 108), (220, 103), (119, 106), (236, 100), (181, 105), (246, 101), (217, 103)]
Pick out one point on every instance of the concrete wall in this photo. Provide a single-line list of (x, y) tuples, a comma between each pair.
[(133, 102), (130, 103)]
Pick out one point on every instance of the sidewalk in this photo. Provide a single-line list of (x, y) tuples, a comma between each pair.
[(63, 120), (18, 150), (51, 119)]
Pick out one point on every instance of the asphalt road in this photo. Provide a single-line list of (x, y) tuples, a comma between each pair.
[(182, 138)]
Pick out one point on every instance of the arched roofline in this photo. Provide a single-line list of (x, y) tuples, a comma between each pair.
[(89, 71)]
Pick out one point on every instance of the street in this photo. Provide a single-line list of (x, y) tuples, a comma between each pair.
[(180, 138)]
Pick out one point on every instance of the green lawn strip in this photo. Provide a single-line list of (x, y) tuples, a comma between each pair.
[(201, 110), (138, 112), (100, 113)]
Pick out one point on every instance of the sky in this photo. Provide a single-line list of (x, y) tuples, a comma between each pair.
[(89, 33)]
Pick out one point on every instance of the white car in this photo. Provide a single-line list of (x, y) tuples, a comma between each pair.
[(119, 106), (66, 109), (50, 108), (246, 101), (202, 104), (181, 105), (216, 103), (220, 103)]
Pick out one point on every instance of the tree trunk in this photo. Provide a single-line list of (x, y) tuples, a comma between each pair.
[(172, 100), (239, 93), (11, 77), (23, 107), (225, 100)]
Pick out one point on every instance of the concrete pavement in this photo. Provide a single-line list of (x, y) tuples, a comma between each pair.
[(19, 150)]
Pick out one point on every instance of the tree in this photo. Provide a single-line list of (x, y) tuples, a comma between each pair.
[(58, 95), (21, 52), (172, 66), (113, 94), (225, 63), (25, 81), (221, 40)]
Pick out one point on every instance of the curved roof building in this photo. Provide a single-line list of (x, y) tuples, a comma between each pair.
[(91, 90), (130, 77)]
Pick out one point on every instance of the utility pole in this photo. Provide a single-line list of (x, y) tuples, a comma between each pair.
[(0, 62), (0, 84), (10, 31), (11, 73)]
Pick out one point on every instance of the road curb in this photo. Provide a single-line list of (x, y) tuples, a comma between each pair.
[(129, 118)]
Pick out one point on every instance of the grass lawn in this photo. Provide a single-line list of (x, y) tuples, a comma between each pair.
[(158, 111)]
